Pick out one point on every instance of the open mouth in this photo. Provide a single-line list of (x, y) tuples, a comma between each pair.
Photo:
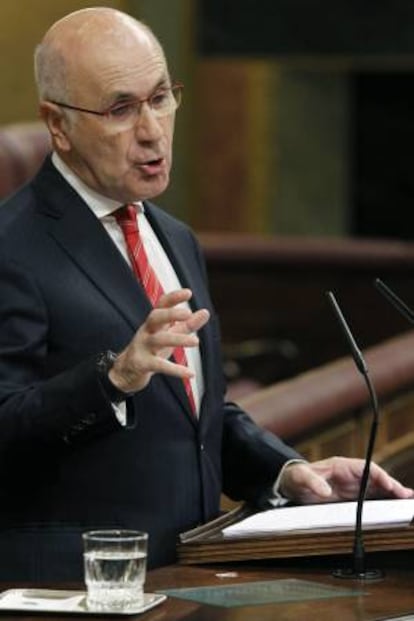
[(152, 167)]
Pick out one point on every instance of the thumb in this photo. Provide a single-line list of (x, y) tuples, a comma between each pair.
[(317, 485), (300, 482)]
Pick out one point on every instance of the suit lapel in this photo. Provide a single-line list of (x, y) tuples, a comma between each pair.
[(80, 234)]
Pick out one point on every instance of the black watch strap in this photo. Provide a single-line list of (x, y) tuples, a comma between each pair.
[(104, 363)]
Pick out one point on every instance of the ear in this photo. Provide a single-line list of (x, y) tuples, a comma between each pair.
[(57, 125)]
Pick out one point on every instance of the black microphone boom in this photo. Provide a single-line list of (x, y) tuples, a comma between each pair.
[(395, 300), (358, 570)]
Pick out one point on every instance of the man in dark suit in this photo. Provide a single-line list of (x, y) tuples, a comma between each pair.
[(102, 422)]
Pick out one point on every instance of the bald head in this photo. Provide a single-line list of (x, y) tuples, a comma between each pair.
[(77, 42), (107, 99)]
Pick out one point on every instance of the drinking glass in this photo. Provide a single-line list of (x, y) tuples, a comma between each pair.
[(115, 567)]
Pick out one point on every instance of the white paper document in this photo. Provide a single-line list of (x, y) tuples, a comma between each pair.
[(326, 515)]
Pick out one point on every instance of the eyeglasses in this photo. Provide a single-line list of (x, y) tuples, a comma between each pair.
[(124, 114)]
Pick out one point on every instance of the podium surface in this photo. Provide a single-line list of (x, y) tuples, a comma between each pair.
[(392, 597)]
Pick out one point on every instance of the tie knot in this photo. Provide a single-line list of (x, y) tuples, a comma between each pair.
[(126, 214)]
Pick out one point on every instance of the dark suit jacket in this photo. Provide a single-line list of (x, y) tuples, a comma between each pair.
[(66, 464)]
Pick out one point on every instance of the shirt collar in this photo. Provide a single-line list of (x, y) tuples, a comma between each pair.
[(101, 206)]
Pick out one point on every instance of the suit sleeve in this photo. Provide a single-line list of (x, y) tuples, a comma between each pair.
[(251, 457), (35, 408)]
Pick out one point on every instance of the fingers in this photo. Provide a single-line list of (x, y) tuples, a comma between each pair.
[(158, 341), (198, 320), (158, 364), (338, 478), (178, 319), (169, 325), (173, 298), (382, 484), (170, 310), (164, 318)]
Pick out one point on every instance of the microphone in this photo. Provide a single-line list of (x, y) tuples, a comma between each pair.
[(395, 300), (358, 568)]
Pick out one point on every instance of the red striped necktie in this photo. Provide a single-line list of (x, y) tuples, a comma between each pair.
[(126, 217)]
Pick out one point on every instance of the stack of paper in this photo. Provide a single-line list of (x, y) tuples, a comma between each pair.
[(329, 515)]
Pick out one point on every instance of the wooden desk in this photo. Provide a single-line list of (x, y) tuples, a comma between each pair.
[(392, 596)]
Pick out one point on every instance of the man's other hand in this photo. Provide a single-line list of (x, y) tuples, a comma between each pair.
[(337, 479)]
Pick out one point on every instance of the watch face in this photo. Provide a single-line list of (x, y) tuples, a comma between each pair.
[(111, 356), (106, 360), (105, 363)]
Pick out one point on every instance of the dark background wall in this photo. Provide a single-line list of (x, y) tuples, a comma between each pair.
[(346, 85), (277, 27), (383, 180)]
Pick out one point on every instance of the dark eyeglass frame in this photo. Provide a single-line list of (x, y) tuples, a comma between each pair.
[(176, 88)]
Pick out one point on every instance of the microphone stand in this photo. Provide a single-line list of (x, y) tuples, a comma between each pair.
[(395, 300), (358, 569)]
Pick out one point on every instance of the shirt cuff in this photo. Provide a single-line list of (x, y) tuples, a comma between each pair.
[(120, 412)]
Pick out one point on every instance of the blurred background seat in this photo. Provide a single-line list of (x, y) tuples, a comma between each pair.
[(23, 146)]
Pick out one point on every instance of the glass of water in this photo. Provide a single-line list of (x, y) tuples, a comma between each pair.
[(115, 567)]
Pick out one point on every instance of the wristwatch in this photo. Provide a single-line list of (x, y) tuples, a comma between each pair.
[(104, 363)]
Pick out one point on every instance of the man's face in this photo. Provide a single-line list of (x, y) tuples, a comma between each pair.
[(125, 164)]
